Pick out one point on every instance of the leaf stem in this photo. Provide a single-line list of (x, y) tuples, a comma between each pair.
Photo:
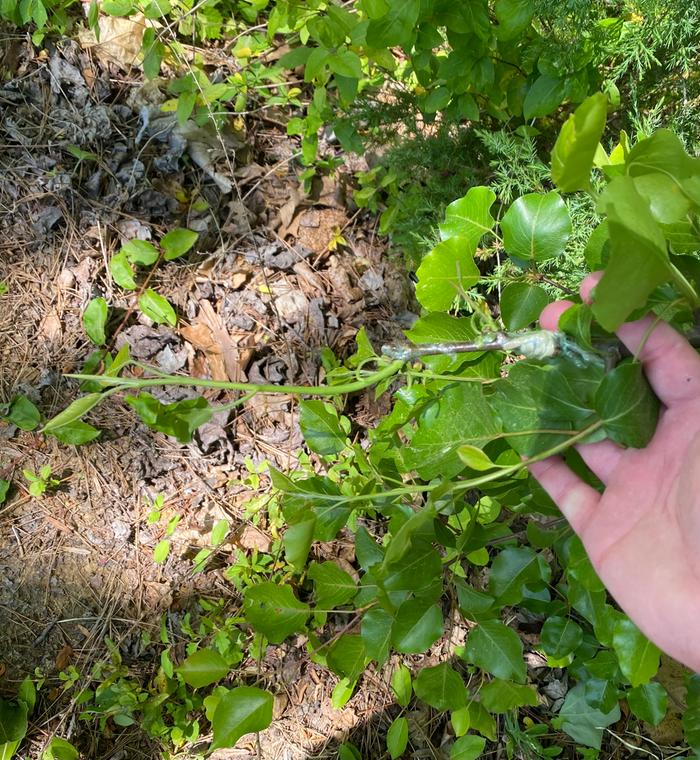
[(684, 287), (300, 390)]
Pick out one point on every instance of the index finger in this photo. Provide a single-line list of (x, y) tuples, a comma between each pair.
[(671, 364)]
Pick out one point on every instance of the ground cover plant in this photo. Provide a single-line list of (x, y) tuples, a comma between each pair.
[(456, 553)]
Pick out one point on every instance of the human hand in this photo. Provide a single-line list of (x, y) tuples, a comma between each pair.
[(642, 533)]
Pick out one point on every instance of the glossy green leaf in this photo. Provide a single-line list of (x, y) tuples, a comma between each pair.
[(342, 693), (332, 585), (513, 16), (521, 304), (436, 100), (122, 271), (469, 217), (497, 649), (347, 656), (576, 322), (346, 63), (460, 416), (446, 272), (161, 551), (75, 433), (691, 716), (572, 155), (582, 722), (536, 227), (560, 636), (474, 604), (417, 626), (73, 412), (322, 428), (13, 721), (662, 152), (545, 94), (667, 202), (638, 657), (241, 711), (513, 569), (475, 458), (441, 687), (60, 749), (274, 611), (376, 633), (501, 696), (297, 541), (468, 747), (95, 320), (179, 419), (627, 405), (649, 702), (401, 685), (23, 413), (397, 737), (396, 26), (536, 399), (203, 667), (4, 488), (177, 242), (348, 751), (638, 257), (139, 252), (157, 308)]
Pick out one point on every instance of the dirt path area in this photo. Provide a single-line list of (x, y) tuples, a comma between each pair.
[(87, 163)]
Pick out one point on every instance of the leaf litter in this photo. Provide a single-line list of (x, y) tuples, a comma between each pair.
[(89, 162)]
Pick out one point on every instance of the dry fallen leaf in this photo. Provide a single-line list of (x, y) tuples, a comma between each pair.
[(64, 657), (202, 338), (120, 40)]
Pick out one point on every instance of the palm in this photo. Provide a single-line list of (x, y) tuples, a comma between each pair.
[(643, 533)]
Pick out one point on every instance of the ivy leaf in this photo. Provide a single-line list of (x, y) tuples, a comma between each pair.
[(203, 667), (536, 397), (23, 413), (240, 711), (502, 696), (582, 722), (417, 626), (649, 702), (461, 415), (95, 319), (274, 611), (638, 657), (473, 604), (521, 304), (447, 271), (324, 432), (347, 657), (332, 585), (638, 257), (177, 242), (513, 569), (497, 649), (441, 687), (536, 227), (469, 217), (122, 271), (560, 636), (627, 405), (315, 496), (401, 685), (467, 747), (572, 155), (545, 94), (397, 737), (157, 308), (376, 633)]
